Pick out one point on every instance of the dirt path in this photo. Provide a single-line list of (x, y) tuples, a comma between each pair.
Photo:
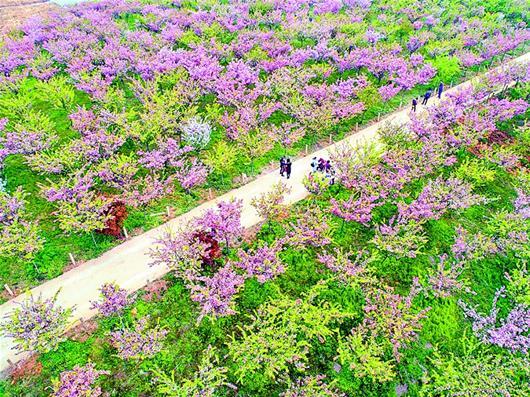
[(128, 263)]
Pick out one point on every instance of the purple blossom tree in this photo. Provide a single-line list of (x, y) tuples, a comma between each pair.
[(355, 209), (224, 223), (78, 382), (312, 228), (392, 316), (263, 263), (18, 236), (511, 333), (36, 324), (444, 280), (216, 294), (340, 263), (437, 197), (140, 342), (113, 300)]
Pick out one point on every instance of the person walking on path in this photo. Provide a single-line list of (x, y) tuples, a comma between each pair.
[(440, 90), (414, 104), (288, 166), (314, 164), (427, 96), (282, 165)]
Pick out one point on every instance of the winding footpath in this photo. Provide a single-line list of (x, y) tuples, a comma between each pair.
[(128, 263)]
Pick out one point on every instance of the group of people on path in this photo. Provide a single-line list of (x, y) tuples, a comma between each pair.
[(427, 95), (317, 165), (324, 166), (285, 166)]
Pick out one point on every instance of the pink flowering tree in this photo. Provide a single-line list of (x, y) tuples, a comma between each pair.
[(269, 205), (113, 300), (312, 386), (312, 228), (346, 269), (224, 223), (181, 251), (355, 209), (445, 280), (510, 333), (264, 263), (216, 294), (36, 324), (400, 237), (139, 342), (80, 381), (393, 317), (437, 197), (18, 236)]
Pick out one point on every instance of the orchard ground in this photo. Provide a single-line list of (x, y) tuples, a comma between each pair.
[(128, 264)]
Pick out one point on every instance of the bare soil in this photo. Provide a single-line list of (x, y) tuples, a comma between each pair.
[(13, 12)]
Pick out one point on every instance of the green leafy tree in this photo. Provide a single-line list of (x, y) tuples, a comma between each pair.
[(205, 382), (58, 92), (447, 68), (222, 157), (476, 374), (277, 340)]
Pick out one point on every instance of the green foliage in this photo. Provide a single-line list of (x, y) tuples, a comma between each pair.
[(475, 171), (370, 97), (222, 157), (277, 340), (58, 92), (477, 374), (208, 378), (518, 286), (447, 67), (365, 357)]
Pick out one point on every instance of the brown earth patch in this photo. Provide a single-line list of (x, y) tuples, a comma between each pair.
[(13, 12)]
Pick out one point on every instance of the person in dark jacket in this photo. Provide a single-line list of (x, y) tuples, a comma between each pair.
[(440, 90), (314, 164), (426, 97), (282, 165), (414, 104), (288, 166)]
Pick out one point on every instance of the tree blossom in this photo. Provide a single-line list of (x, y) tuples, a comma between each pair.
[(311, 386), (113, 300), (391, 315), (522, 204), (192, 173), (437, 197), (443, 282), (400, 237), (139, 342), (263, 262), (224, 223), (270, 205), (18, 236), (78, 382), (287, 133), (36, 324), (181, 251), (216, 294), (339, 262), (312, 228), (513, 330), (355, 210)]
